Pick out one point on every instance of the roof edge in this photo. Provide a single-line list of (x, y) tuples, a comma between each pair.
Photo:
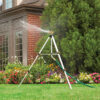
[(23, 7)]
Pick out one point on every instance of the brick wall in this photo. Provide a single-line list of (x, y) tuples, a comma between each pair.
[(33, 36)]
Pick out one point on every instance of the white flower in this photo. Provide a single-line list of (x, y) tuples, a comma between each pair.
[(61, 80)]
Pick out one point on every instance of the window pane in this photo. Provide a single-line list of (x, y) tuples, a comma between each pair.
[(19, 45), (3, 51), (8, 4)]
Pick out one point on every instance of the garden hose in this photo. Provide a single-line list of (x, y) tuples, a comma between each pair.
[(57, 62)]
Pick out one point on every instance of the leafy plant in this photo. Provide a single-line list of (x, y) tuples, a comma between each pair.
[(86, 78), (39, 70), (15, 66), (2, 77)]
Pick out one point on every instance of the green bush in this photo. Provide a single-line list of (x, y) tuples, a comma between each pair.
[(39, 70), (14, 66), (2, 77)]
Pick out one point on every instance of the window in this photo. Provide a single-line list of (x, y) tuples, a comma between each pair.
[(19, 50), (8, 4), (3, 51)]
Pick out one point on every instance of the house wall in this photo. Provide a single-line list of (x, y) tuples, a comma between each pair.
[(33, 36)]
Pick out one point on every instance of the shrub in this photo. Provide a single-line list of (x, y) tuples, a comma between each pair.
[(2, 77), (38, 70), (15, 66)]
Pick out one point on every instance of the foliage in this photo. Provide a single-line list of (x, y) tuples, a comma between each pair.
[(84, 77), (2, 77), (15, 66), (76, 24), (38, 70)]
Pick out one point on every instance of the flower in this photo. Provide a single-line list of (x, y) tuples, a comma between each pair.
[(4, 77), (42, 82), (48, 71), (71, 82), (61, 80), (56, 66)]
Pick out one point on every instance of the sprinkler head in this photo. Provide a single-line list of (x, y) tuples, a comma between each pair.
[(51, 32)]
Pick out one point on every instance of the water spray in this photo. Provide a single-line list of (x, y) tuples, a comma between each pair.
[(34, 27)]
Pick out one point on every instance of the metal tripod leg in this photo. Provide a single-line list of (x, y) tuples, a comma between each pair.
[(55, 45), (34, 61)]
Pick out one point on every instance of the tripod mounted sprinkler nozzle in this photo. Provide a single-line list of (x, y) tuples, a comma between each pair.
[(51, 32)]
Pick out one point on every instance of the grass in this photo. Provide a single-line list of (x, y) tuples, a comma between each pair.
[(49, 92)]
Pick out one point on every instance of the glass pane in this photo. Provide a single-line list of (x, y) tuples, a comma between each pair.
[(3, 51), (8, 4), (19, 45)]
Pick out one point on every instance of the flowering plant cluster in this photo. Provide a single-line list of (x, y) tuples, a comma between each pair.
[(49, 78), (53, 77), (95, 77), (16, 76), (84, 77), (42, 74), (52, 67), (71, 80)]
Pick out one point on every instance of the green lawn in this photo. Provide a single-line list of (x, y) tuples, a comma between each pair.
[(49, 92)]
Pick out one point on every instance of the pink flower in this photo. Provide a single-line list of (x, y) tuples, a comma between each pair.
[(8, 80), (98, 75), (48, 74), (71, 82), (96, 81), (94, 78), (95, 73), (41, 83), (69, 77)]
